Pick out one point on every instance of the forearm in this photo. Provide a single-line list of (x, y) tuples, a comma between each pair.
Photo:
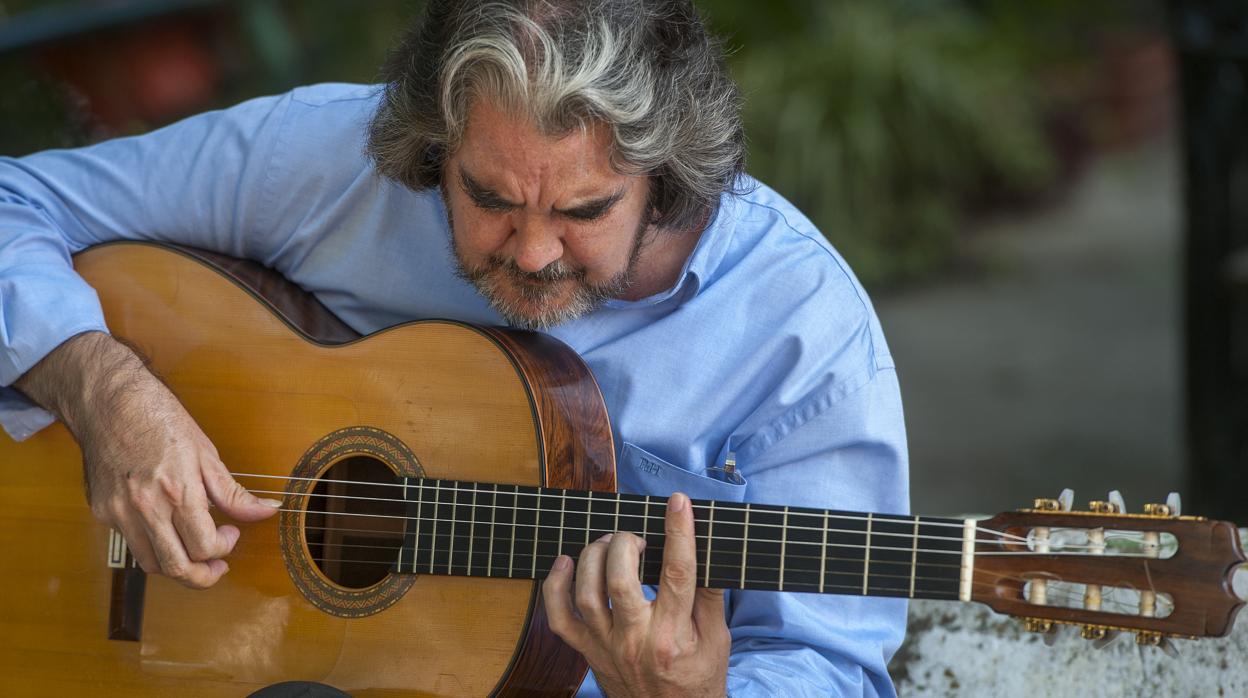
[(81, 379)]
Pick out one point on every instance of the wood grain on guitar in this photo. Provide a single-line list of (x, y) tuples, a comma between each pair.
[(429, 474)]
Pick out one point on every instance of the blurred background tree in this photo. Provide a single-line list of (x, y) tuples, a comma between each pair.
[(888, 122)]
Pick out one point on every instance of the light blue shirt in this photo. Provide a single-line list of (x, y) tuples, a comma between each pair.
[(766, 346)]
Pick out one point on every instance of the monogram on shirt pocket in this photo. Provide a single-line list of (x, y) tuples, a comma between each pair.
[(642, 472)]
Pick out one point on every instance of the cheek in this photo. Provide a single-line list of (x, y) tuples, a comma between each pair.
[(477, 232)]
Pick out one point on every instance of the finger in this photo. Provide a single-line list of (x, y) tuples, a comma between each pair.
[(200, 535), (678, 578), (137, 542), (557, 596), (628, 603), (231, 497), (591, 586), (174, 562), (708, 612)]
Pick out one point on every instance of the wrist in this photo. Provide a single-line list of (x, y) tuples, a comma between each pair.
[(80, 377)]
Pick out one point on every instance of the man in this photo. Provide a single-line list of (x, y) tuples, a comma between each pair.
[(584, 160)]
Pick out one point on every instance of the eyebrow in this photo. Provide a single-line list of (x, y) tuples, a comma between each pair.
[(488, 198)]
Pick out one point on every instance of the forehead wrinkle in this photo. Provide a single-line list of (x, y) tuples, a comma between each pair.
[(512, 157)]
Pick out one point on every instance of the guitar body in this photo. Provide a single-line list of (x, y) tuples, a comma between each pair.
[(282, 388)]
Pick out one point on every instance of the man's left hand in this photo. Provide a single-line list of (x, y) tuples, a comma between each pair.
[(677, 645)]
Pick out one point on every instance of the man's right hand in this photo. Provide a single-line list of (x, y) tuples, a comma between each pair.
[(150, 471)]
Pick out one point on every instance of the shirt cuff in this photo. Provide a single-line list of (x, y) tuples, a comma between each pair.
[(20, 417)]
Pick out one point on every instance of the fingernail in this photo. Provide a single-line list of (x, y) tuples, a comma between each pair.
[(275, 503), (679, 501), (562, 562), (607, 538)]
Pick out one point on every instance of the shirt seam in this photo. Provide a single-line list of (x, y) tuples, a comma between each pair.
[(862, 303)]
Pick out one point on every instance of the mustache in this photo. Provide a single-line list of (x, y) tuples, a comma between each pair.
[(555, 271)]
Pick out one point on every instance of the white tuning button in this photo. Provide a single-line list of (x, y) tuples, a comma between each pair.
[(1175, 503), (1115, 498), (1066, 499)]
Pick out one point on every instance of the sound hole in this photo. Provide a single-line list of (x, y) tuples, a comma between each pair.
[(354, 526)]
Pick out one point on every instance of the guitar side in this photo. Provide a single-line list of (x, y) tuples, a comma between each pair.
[(265, 383)]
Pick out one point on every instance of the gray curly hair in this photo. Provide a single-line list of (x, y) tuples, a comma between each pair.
[(646, 68)]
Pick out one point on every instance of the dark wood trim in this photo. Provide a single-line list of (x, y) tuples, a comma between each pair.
[(298, 308), (577, 453)]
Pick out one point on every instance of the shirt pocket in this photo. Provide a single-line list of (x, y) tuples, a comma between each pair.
[(642, 472)]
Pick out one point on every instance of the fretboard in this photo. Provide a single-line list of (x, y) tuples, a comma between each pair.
[(488, 530)]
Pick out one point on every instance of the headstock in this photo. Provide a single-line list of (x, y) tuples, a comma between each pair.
[(1157, 573)]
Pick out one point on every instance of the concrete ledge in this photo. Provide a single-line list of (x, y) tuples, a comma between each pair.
[(965, 649)]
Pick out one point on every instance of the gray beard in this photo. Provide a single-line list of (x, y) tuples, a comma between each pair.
[(536, 288)]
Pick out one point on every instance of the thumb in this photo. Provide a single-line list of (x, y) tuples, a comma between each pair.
[(232, 498)]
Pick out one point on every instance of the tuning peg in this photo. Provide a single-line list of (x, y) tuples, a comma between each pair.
[(1158, 510), (1098, 506), (1093, 632), (1148, 638), (1037, 625)]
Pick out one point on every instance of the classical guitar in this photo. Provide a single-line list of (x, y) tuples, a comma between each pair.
[(429, 475)]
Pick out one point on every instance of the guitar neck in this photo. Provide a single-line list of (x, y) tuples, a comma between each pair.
[(480, 529)]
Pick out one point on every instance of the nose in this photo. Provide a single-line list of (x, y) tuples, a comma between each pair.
[(537, 243)]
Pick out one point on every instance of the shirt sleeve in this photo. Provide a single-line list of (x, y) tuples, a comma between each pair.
[(853, 457), (203, 182)]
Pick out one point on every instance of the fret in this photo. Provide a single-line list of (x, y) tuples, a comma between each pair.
[(549, 531), (914, 556), (631, 514), (507, 512), (710, 538), (645, 535), (489, 570), (844, 556), (890, 551), (866, 560), (525, 532), (725, 557), (563, 510), (406, 524), (603, 515), (454, 511), (424, 532), (823, 553), (537, 529), (763, 559), (435, 526), (481, 536), (472, 528), (576, 523), (784, 542), (804, 558), (745, 544)]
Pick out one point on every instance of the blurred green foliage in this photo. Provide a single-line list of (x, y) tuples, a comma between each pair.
[(880, 119)]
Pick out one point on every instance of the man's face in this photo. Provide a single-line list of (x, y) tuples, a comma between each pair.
[(543, 227)]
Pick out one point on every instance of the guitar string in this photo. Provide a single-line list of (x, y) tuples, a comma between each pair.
[(650, 547), (720, 505), (1069, 595), (653, 517)]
